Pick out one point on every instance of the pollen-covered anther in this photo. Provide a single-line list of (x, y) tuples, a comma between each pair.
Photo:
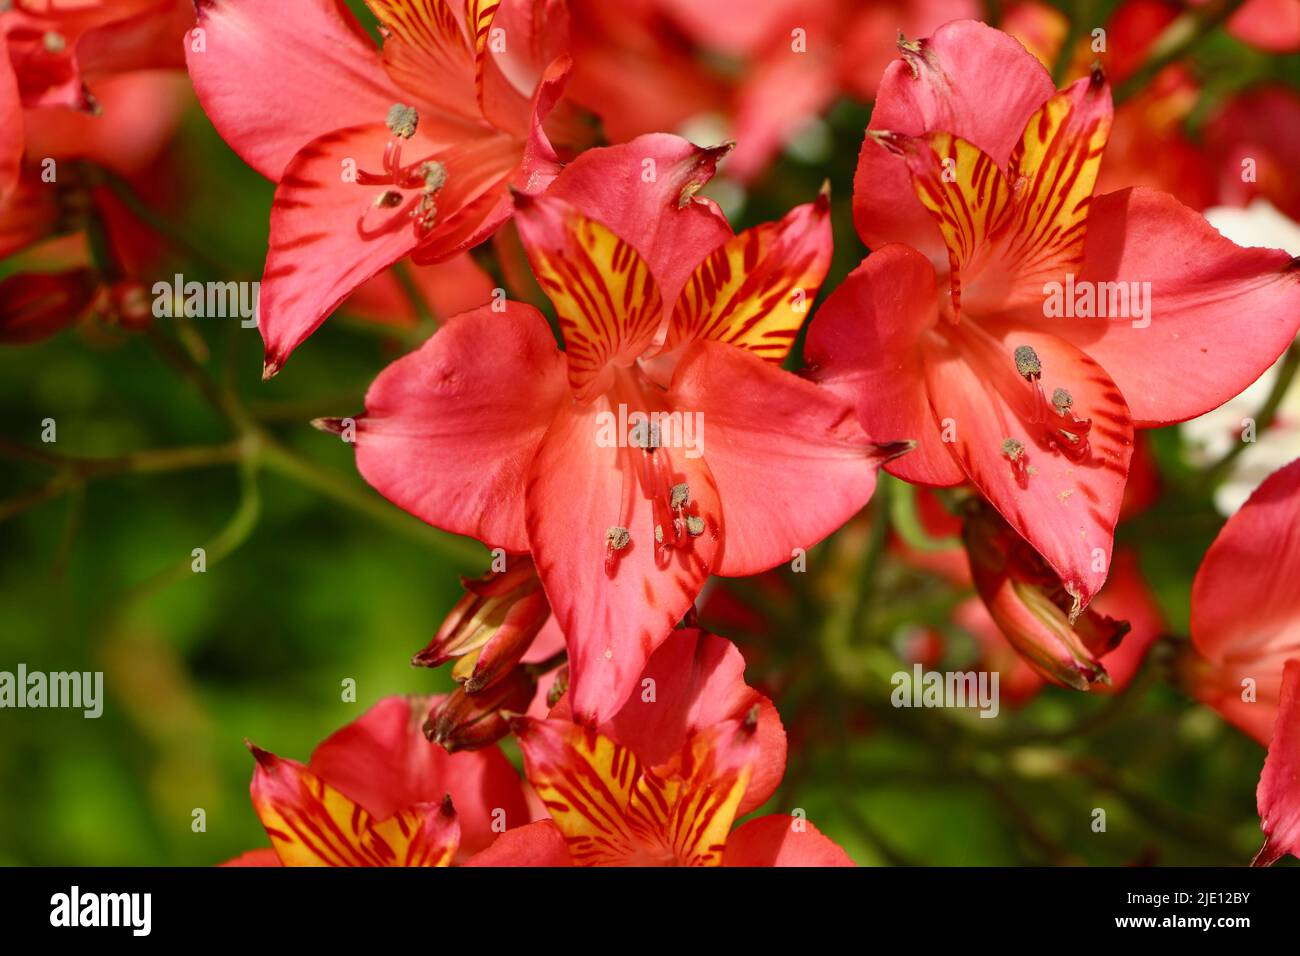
[(1014, 450), (435, 175), (694, 525), (402, 120), (54, 42), (1027, 363), (1062, 401), (616, 539), (388, 199), (681, 496)]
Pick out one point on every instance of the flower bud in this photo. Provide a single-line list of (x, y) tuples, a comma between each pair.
[(1033, 608), (464, 721), (36, 305), (491, 627)]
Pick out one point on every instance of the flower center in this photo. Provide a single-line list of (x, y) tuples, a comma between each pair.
[(413, 189)]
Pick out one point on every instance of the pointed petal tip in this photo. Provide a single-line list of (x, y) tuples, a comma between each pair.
[(271, 368), (332, 425), (265, 759), (448, 808)]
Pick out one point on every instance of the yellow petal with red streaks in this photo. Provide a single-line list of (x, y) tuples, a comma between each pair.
[(1053, 171), (963, 189), (587, 782), (312, 824), (427, 53), (607, 302), (715, 771), (754, 291), (478, 20)]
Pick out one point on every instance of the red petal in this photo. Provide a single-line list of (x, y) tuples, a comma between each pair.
[(789, 458), (450, 430), (1245, 605), (1278, 794), (536, 844), (864, 345), (780, 840), (275, 76), (1220, 314)]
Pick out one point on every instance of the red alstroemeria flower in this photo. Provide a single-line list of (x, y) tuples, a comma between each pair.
[(663, 781), (976, 162), (490, 430), (377, 793), (377, 155), (54, 54), (1246, 629)]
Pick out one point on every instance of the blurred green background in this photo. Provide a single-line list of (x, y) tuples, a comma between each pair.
[(313, 579)]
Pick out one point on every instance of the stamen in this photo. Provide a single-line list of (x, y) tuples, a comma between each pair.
[(388, 199), (681, 496), (54, 42), (616, 539), (694, 525), (1062, 401), (1027, 363), (1015, 452), (402, 120)]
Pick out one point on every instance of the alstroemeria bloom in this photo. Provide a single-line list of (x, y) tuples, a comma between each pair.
[(663, 444), (1027, 326), (629, 478), (1246, 630), (377, 793), (662, 782), (377, 156)]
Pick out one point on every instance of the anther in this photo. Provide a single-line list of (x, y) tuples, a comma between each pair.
[(402, 120), (388, 199), (435, 175), (616, 539), (694, 525), (1027, 363), (54, 42), (1062, 401), (680, 497), (1014, 450)]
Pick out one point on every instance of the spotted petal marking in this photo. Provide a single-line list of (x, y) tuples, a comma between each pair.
[(608, 304), (1053, 171), (754, 291), (312, 824)]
